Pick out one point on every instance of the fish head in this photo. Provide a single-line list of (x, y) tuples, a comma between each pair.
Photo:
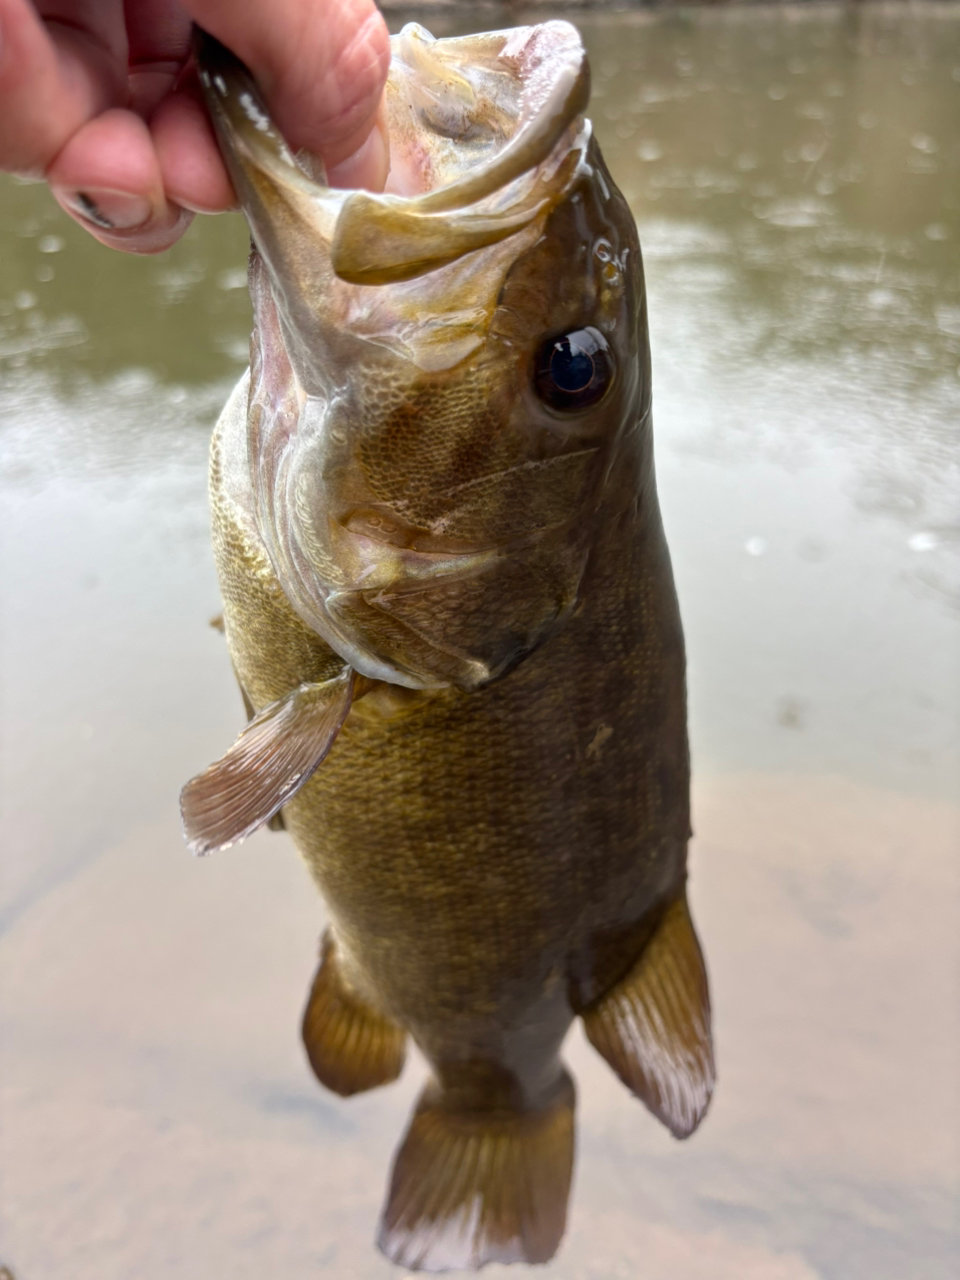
[(445, 376)]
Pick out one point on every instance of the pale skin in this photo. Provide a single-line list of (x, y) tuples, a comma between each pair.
[(99, 99)]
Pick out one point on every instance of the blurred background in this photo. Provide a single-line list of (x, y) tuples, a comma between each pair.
[(795, 173)]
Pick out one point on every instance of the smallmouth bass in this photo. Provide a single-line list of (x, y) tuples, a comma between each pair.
[(449, 605)]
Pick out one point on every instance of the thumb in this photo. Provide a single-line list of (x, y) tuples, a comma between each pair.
[(321, 65)]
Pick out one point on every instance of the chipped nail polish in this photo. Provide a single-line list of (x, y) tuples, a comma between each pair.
[(108, 210)]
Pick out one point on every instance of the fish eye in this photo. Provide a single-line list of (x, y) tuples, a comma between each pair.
[(574, 370)]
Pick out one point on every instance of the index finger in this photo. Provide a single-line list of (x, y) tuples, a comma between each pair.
[(54, 79)]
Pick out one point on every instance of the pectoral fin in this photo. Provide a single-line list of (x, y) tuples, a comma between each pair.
[(267, 765), (653, 1026)]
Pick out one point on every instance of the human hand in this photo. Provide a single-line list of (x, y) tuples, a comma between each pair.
[(99, 98)]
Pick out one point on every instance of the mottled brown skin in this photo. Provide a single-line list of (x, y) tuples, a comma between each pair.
[(495, 859)]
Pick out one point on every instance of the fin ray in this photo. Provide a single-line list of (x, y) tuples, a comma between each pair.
[(270, 761), (653, 1026), (351, 1046), (474, 1187)]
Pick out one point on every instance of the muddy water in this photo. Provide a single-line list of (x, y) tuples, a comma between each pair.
[(796, 178)]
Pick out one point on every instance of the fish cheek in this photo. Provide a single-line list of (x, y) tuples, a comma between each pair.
[(446, 432)]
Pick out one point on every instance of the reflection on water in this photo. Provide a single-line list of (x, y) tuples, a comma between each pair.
[(797, 181)]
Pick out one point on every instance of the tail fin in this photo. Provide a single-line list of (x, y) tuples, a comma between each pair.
[(472, 1187)]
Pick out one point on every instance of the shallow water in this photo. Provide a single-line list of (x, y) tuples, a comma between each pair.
[(796, 178)]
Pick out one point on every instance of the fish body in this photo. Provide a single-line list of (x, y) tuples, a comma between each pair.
[(449, 604)]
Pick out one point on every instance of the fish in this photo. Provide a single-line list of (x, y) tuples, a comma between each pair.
[(449, 605)]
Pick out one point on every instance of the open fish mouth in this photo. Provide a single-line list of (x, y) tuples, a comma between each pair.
[(490, 112), (486, 136)]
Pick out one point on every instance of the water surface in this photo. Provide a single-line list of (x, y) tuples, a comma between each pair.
[(796, 178)]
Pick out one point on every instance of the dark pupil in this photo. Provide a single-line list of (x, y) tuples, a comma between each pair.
[(571, 368)]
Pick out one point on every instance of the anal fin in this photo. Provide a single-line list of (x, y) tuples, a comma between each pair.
[(653, 1026), (270, 761), (351, 1046), (473, 1187)]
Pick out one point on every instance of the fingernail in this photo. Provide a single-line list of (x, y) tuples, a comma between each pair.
[(109, 210)]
